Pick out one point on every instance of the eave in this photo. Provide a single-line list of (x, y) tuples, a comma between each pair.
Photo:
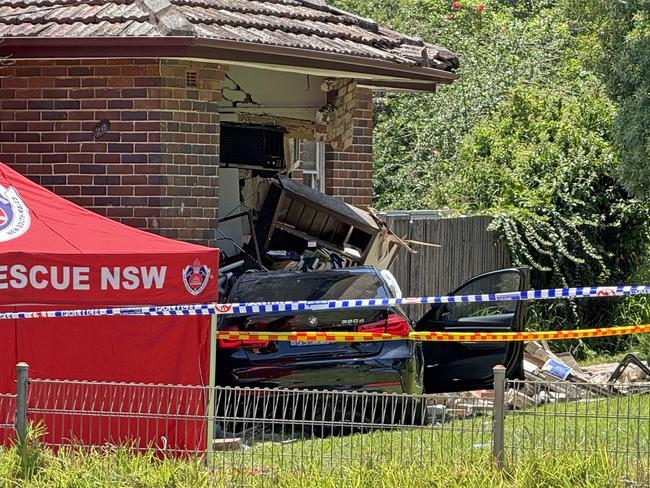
[(374, 72)]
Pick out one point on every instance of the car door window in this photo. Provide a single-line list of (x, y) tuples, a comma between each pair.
[(493, 283)]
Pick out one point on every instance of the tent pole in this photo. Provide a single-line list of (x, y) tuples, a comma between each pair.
[(211, 392)]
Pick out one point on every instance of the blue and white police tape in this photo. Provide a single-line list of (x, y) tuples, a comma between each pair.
[(290, 306)]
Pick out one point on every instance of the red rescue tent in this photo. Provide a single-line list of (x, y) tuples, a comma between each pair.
[(55, 254)]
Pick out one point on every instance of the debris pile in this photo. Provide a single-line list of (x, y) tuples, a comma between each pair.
[(549, 378), (452, 406), (558, 377)]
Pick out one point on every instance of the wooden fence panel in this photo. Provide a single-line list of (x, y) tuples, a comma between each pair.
[(468, 249)]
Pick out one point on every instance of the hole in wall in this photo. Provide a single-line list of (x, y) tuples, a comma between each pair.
[(101, 128)]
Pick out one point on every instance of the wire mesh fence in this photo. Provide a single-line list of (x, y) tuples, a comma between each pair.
[(581, 418), (168, 419), (7, 412), (247, 432), (266, 431)]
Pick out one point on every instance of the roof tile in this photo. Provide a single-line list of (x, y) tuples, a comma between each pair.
[(288, 23)]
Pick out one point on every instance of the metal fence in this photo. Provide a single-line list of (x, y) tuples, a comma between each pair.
[(7, 413), (169, 419), (325, 432), (263, 432), (584, 419)]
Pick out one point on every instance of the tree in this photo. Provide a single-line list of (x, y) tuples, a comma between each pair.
[(544, 165), (532, 134), (626, 69), (417, 135)]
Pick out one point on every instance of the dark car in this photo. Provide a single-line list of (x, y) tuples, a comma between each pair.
[(391, 366), (394, 366)]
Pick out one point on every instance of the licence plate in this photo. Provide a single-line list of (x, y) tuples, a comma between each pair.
[(309, 343)]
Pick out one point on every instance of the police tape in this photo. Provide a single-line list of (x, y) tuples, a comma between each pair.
[(320, 337), (292, 306)]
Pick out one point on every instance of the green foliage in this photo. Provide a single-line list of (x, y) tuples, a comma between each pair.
[(417, 135), (118, 467), (98, 468), (636, 310), (626, 68), (543, 166), (618, 33), (32, 458), (529, 134)]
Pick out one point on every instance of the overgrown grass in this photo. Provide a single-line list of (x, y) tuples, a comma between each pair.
[(100, 468), (118, 468)]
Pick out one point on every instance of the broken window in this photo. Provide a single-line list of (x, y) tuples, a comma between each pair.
[(267, 220)]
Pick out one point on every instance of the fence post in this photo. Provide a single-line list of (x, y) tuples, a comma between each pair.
[(22, 378), (498, 418)]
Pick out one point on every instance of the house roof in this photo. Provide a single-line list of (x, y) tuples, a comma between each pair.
[(260, 25)]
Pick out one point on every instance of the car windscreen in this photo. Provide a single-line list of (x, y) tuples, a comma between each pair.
[(308, 286)]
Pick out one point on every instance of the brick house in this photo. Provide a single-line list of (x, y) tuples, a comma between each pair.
[(120, 105)]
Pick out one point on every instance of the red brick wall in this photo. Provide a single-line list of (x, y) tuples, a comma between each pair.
[(155, 169), (348, 173)]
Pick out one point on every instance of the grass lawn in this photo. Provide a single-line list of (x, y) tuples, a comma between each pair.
[(608, 358), (619, 426), (600, 443), (118, 468)]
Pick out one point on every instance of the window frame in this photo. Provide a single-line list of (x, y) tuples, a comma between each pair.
[(317, 174)]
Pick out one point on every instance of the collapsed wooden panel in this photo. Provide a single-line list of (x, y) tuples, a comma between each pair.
[(293, 214)]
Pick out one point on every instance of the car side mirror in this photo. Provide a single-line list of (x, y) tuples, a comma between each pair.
[(393, 286)]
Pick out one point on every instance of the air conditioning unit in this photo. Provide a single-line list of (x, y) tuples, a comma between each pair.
[(252, 146)]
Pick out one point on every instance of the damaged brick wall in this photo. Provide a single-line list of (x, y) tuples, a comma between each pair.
[(339, 113), (156, 166), (348, 172)]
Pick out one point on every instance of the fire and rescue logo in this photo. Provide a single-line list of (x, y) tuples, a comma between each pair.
[(606, 292), (14, 214), (196, 277)]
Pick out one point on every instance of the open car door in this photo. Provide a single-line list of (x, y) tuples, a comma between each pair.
[(461, 366)]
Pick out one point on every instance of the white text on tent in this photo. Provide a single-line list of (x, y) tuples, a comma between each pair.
[(130, 277)]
